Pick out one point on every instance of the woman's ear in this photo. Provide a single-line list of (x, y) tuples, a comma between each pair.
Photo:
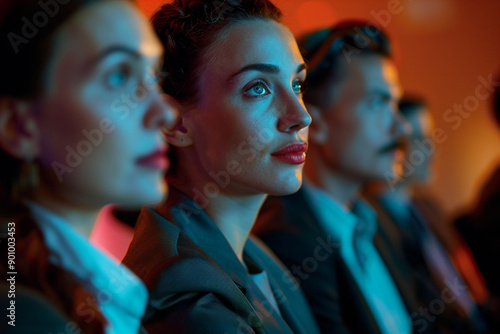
[(178, 135), (318, 130), (19, 131)]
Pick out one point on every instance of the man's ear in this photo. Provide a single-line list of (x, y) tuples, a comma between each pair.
[(318, 130), (19, 130), (179, 135)]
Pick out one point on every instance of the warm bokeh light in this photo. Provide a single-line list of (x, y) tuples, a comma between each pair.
[(443, 47), (428, 15), (315, 14)]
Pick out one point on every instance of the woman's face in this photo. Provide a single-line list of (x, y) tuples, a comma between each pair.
[(250, 109), (101, 110)]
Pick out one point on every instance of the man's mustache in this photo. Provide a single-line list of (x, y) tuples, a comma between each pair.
[(398, 144)]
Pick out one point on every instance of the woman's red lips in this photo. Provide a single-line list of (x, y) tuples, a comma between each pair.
[(156, 160), (292, 154)]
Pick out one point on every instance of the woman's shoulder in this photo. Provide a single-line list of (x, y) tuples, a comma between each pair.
[(182, 279), (45, 295), (160, 248)]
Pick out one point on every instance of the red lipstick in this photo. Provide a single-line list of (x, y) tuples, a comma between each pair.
[(292, 154), (156, 160)]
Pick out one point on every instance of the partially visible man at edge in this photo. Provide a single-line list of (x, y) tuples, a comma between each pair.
[(354, 279)]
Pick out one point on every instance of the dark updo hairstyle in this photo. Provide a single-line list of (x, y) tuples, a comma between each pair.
[(323, 48), (27, 28), (187, 30)]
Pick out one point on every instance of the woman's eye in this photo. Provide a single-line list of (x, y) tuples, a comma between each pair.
[(298, 87), (260, 89), (118, 77)]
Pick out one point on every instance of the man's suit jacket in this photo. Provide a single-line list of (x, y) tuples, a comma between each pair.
[(290, 227), (481, 231), (401, 251), (198, 285)]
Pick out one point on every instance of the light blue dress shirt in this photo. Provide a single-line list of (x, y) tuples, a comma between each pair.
[(121, 296), (355, 230)]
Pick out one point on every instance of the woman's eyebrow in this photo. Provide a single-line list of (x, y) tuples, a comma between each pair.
[(112, 50), (265, 68)]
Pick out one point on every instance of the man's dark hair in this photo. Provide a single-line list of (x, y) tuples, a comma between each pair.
[(322, 49)]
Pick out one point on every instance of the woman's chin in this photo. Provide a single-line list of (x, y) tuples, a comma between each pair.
[(288, 187)]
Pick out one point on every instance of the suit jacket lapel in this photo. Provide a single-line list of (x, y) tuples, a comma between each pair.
[(200, 228), (300, 322)]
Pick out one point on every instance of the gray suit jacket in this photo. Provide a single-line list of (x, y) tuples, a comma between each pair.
[(198, 285)]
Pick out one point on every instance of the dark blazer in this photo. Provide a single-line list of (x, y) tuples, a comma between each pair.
[(481, 231), (198, 285), (290, 227), (402, 253)]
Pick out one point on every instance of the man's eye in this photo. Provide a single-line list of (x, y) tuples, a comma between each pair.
[(298, 87)]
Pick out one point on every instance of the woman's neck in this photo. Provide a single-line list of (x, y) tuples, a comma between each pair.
[(234, 215), (79, 217)]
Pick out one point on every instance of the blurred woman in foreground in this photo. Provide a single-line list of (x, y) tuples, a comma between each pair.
[(80, 116)]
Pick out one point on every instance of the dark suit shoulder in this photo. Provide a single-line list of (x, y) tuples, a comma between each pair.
[(188, 291), (155, 240), (33, 313), (291, 229), (289, 226)]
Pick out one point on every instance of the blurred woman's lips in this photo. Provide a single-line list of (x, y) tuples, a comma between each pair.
[(156, 160), (292, 154)]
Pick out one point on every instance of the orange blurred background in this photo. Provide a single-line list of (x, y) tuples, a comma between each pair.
[(442, 48)]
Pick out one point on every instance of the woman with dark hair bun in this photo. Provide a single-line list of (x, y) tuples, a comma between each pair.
[(80, 114), (235, 74)]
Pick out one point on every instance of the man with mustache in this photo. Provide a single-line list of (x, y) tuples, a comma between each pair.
[(324, 233), (410, 219)]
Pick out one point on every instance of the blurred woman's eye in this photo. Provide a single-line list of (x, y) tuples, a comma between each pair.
[(257, 90), (118, 77), (378, 101)]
